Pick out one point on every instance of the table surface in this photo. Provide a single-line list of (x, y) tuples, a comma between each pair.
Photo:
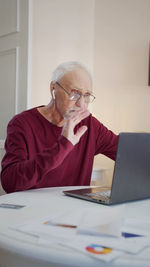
[(19, 249)]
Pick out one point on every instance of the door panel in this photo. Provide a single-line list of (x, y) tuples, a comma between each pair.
[(8, 85), (14, 43), (9, 16)]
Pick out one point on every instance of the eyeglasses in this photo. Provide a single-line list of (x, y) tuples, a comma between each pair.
[(74, 95)]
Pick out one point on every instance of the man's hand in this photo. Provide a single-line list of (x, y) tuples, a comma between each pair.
[(71, 120)]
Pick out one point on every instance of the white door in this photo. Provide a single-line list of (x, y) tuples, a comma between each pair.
[(14, 59)]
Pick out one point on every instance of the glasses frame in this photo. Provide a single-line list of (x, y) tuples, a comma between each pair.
[(79, 94)]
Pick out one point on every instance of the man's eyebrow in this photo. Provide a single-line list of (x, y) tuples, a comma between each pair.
[(80, 90)]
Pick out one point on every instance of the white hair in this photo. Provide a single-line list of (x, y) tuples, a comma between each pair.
[(66, 67)]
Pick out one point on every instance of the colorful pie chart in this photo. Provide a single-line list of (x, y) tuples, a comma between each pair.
[(97, 249)]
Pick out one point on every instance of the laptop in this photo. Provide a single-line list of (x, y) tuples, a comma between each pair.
[(131, 177)]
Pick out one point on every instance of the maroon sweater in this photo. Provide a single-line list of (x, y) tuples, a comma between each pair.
[(38, 156)]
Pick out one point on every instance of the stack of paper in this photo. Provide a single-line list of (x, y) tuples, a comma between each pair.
[(104, 235)]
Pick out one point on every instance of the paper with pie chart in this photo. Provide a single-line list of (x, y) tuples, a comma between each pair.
[(96, 250)]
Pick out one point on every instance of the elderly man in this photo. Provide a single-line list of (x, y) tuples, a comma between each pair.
[(55, 145)]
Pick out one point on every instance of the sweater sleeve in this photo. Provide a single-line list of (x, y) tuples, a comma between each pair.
[(106, 142), (21, 172)]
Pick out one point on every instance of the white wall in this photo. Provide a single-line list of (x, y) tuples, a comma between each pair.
[(122, 36), (63, 30)]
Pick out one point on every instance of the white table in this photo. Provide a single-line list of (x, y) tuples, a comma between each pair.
[(20, 250)]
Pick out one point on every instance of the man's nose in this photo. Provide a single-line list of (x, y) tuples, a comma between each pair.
[(80, 102)]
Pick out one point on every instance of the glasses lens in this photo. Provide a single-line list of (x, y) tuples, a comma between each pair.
[(74, 96), (88, 98), (92, 98)]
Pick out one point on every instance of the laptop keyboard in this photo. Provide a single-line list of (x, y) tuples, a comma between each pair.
[(103, 194)]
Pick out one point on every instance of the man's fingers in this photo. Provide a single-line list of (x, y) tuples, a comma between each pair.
[(70, 123), (80, 116), (81, 131), (74, 114)]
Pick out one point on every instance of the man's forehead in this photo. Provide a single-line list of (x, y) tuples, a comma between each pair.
[(78, 79)]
